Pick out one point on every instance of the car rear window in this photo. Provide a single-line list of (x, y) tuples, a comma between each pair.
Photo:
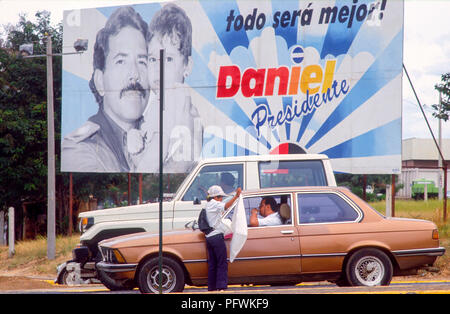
[(324, 207), (292, 173)]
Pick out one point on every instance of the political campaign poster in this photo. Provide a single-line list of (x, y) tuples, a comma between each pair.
[(241, 77)]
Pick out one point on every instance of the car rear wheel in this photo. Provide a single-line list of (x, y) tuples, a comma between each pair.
[(369, 267), (172, 276)]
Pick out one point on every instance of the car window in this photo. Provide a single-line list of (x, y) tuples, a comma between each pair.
[(292, 173), (255, 201), (229, 177), (324, 207)]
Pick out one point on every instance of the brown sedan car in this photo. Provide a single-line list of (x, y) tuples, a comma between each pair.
[(328, 233)]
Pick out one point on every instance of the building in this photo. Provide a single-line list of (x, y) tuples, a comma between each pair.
[(420, 161)]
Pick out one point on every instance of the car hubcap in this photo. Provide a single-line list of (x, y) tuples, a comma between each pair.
[(370, 271), (168, 279)]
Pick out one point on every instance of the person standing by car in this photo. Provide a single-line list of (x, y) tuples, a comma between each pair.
[(215, 242)]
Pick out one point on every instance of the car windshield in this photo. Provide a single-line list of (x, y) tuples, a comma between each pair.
[(194, 165), (228, 176)]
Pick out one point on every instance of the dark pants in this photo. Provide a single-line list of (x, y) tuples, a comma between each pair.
[(217, 263)]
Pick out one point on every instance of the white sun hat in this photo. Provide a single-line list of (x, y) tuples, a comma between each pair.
[(216, 190)]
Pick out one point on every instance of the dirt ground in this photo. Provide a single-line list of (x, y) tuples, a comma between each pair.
[(23, 280), (11, 283), (28, 277)]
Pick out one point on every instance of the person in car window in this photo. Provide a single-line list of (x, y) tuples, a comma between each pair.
[(227, 181), (268, 210)]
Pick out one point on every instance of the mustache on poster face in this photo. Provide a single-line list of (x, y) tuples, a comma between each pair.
[(134, 87)]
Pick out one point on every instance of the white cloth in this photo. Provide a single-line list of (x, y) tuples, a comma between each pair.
[(239, 228)]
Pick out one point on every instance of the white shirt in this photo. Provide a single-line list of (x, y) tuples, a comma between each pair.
[(270, 220), (214, 212)]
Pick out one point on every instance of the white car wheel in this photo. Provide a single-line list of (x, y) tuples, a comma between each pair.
[(369, 267), (172, 276)]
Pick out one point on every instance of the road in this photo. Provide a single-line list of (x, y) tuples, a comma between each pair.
[(396, 287)]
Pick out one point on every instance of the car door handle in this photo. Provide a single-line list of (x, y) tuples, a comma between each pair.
[(287, 231)]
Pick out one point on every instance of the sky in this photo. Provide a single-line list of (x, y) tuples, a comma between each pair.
[(426, 53)]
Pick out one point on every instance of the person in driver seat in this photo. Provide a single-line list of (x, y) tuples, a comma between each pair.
[(269, 216)]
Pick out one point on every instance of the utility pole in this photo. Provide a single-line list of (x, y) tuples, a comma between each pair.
[(80, 46), (51, 241)]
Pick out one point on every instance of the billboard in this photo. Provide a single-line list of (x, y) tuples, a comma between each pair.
[(241, 78)]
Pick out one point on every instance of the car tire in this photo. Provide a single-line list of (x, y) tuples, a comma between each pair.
[(173, 276), (369, 267), (62, 278)]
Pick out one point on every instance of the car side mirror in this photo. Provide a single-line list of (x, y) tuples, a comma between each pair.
[(191, 225), (197, 201)]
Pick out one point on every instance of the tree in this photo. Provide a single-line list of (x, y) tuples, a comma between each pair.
[(23, 120), (355, 183), (23, 112), (444, 89)]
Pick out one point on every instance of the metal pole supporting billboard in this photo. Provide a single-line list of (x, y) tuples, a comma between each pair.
[(440, 185), (70, 203), (161, 109), (51, 242), (445, 191), (129, 189), (2, 228), (140, 188), (393, 196)]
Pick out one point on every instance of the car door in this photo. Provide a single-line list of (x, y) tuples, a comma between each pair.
[(193, 198), (269, 250), (323, 226)]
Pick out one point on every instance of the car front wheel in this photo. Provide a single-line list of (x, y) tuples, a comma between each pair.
[(369, 267), (172, 276)]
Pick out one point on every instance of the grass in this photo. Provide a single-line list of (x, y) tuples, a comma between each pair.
[(430, 210), (30, 256)]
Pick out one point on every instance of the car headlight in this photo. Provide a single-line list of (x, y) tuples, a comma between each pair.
[(112, 255), (85, 223)]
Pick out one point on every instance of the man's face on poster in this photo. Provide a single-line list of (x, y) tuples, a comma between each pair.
[(125, 78)]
